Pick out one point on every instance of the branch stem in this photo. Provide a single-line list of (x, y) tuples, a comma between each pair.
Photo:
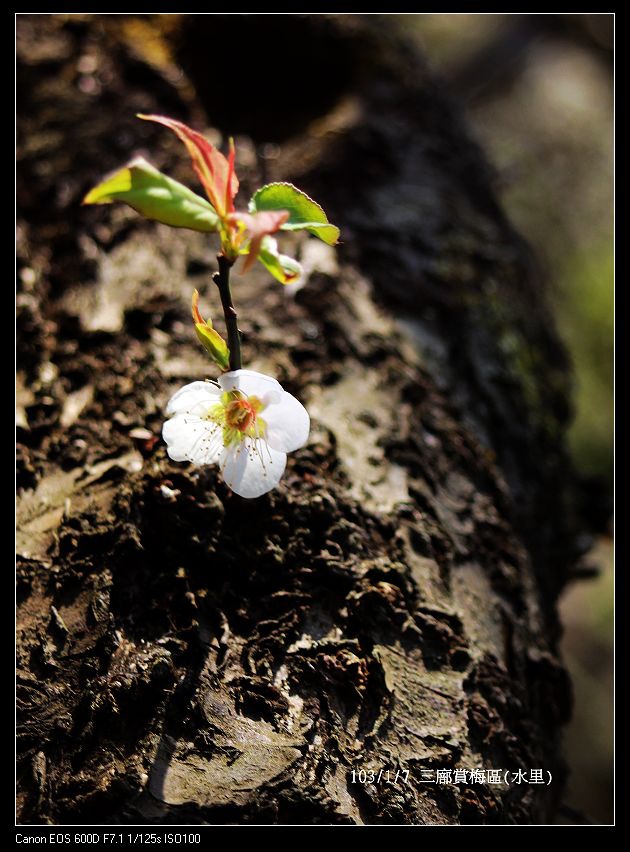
[(222, 280)]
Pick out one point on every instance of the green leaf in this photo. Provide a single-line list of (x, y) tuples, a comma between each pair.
[(155, 196), (214, 344), (285, 269), (304, 213)]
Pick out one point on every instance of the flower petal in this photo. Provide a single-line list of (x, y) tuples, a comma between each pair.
[(249, 382), (252, 468), (195, 398), (194, 439), (287, 420)]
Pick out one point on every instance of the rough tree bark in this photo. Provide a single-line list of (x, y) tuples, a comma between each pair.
[(186, 656)]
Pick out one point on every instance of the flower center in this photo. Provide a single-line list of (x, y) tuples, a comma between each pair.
[(240, 414)]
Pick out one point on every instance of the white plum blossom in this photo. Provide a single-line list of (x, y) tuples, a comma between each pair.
[(246, 423)]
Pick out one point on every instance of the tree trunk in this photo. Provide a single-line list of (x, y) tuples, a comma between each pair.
[(187, 656)]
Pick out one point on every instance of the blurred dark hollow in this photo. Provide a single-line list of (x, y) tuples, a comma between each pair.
[(243, 85)]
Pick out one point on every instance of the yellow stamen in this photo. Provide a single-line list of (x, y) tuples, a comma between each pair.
[(238, 415)]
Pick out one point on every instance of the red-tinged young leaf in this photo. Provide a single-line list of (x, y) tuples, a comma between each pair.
[(197, 318), (259, 225), (211, 340), (214, 344), (229, 196), (213, 170)]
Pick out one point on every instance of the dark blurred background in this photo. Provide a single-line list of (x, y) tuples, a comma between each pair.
[(538, 93)]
